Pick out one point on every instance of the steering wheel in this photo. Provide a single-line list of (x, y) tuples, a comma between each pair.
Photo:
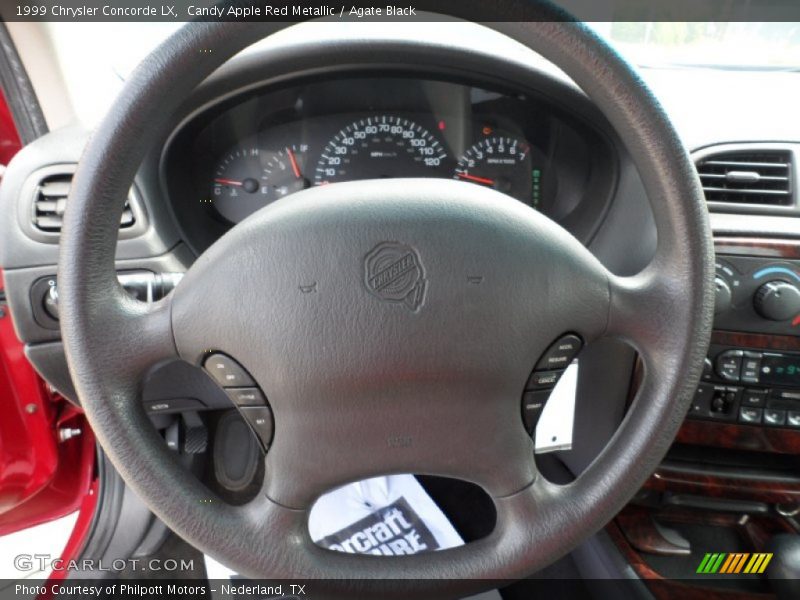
[(352, 368)]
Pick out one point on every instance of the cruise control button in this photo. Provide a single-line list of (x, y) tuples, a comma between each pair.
[(532, 408), (247, 396), (751, 367), (227, 372), (260, 419), (793, 419), (774, 417), (173, 405), (729, 365), (543, 379), (750, 415), (560, 354), (754, 397)]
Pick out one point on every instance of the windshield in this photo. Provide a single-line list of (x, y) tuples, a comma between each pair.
[(738, 46), (96, 58)]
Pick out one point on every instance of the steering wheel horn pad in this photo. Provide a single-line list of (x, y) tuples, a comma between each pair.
[(347, 370), (435, 350)]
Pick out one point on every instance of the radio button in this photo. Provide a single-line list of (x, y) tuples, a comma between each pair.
[(786, 394), (729, 365), (754, 397), (774, 417), (750, 415), (751, 367)]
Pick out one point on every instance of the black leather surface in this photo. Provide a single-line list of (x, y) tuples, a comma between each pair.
[(665, 312)]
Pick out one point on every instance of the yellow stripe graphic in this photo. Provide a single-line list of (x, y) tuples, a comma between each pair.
[(753, 564), (767, 558)]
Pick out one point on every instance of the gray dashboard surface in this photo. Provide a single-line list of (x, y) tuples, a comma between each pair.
[(64, 147)]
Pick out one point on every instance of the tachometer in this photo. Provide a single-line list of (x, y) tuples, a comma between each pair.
[(249, 178), (502, 163), (377, 147)]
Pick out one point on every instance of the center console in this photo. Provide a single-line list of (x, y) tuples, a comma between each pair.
[(732, 478), (753, 380)]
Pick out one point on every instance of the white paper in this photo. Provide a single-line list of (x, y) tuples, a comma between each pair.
[(554, 430), (392, 515)]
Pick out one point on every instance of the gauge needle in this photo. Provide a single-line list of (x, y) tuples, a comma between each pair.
[(483, 180), (228, 182), (293, 160)]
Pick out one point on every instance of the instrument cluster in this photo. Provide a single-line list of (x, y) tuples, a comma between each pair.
[(245, 152), (443, 139)]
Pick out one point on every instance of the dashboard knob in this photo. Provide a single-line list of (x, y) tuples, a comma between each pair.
[(777, 300), (722, 295)]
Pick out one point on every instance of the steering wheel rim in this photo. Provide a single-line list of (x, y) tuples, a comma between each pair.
[(665, 312)]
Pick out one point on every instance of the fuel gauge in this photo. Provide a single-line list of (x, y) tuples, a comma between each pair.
[(284, 173)]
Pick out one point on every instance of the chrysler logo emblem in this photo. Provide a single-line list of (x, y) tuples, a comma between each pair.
[(393, 273)]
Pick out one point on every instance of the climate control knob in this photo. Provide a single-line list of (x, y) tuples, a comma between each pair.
[(777, 300), (722, 295)]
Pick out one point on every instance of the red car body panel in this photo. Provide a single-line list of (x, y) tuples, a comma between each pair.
[(41, 477)]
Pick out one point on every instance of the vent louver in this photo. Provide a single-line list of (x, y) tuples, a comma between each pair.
[(762, 177), (50, 201)]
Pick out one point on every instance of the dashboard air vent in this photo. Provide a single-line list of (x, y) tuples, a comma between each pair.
[(50, 201), (761, 177)]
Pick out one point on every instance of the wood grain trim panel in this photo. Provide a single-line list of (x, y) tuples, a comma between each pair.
[(758, 246), (742, 437), (677, 481), (756, 340)]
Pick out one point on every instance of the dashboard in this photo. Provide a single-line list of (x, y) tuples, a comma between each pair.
[(236, 157)]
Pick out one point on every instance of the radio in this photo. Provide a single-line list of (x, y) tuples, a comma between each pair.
[(750, 387)]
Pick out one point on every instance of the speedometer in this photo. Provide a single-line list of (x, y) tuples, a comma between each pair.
[(380, 146)]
